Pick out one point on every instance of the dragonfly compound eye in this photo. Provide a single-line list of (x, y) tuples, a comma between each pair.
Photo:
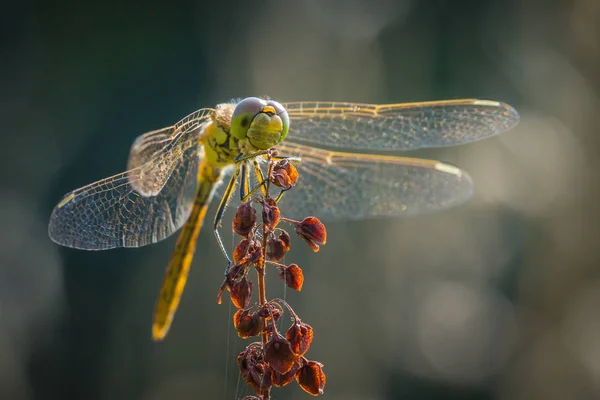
[(263, 123), (282, 113), (243, 115)]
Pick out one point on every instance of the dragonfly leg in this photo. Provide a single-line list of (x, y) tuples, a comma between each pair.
[(245, 182), (289, 158), (245, 194), (242, 160), (280, 195), (244, 157), (245, 186), (221, 210), (260, 177), (249, 194)]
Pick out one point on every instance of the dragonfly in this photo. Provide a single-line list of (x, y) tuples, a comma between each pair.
[(343, 153)]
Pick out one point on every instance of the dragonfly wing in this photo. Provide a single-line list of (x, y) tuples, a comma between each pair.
[(346, 186), (151, 156), (143, 205), (393, 127)]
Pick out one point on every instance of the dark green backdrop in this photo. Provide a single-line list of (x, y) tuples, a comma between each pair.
[(496, 299)]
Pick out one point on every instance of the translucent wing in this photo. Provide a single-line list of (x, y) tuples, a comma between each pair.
[(398, 126), (143, 205), (342, 186)]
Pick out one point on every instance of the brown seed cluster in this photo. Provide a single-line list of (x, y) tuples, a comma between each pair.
[(281, 359), (277, 359)]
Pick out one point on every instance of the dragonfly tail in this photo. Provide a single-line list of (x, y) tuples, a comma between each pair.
[(179, 266)]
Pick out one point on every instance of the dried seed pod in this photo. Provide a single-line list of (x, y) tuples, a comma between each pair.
[(241, 250), (285, 238), (292, 276), (279, 354), (312, 231), (283, 379), (270, 213), (261, 374), (300, 336), (225, 285), (241, 293), (254, 255), (270, 310), (253, 368), (311, 378), (244, 219), (284, 174), (277, 247), (244, 361), (247, 324)]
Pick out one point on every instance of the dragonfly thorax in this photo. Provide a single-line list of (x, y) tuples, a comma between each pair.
[(220, 148)]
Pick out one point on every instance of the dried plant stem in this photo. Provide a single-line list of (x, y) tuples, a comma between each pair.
[(277, 359), (262, 293), (261, 271), (262, 298)]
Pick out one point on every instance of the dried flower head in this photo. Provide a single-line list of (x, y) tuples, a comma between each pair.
[(271, 310), (241, 293), (254, 254), (253, 368), (244, 219), (311, 378), (278, 246), (300, 336), (241, 250), (270, 213), (240, 290), (247, 324), (283, 379), (312, 231), (284, 174), (279, 354), (292, 276)]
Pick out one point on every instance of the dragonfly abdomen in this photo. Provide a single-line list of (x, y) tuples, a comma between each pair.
[(179, 266)]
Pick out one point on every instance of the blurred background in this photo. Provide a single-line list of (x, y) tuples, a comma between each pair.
[(496, 299)]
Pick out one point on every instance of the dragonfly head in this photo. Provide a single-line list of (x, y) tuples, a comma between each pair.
[(264, 123)]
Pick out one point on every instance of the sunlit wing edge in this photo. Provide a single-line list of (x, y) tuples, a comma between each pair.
[(330, 124), (323, 171)]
